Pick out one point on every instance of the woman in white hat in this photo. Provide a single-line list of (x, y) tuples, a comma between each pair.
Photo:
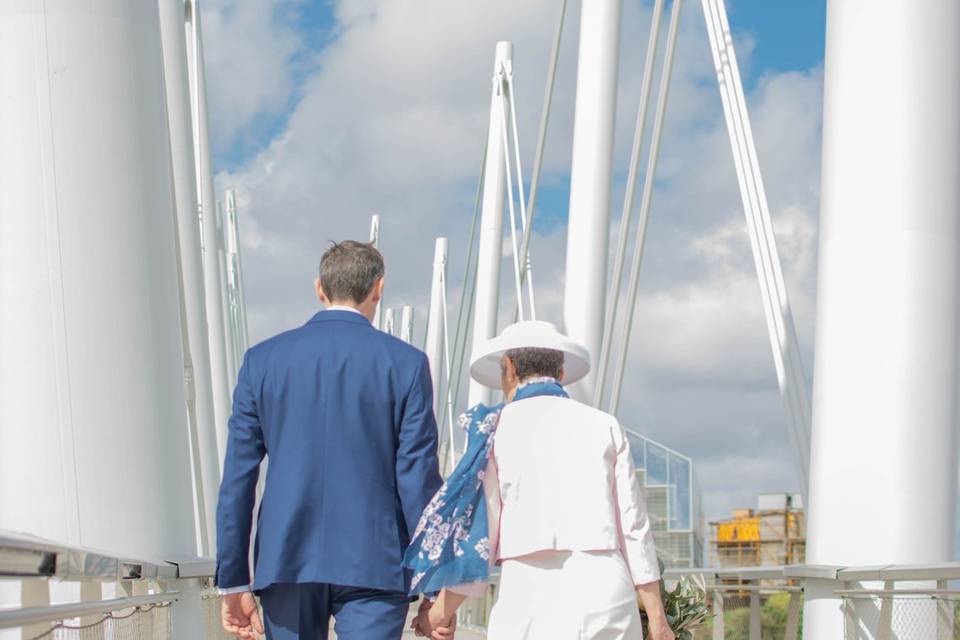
[(552, 498)]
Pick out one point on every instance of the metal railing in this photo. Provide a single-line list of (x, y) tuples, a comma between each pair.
[(54, 591), (71, 592), (766, 603), (900, 601), (748, 602), (877, 603)]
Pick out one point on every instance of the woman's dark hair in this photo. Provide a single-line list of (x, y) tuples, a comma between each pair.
[(532, 362)]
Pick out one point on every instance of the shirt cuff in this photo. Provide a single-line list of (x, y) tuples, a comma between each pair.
[(231, 590)]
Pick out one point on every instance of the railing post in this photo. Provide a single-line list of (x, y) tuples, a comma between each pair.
[(945, 614), (755, 613), (886, 613), (718, 631), (488, 601), (34, 593), (187, 621), (848, 606), (793, 617), (90, 591)]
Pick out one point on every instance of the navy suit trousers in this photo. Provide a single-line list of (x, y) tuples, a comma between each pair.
[(303, 612)]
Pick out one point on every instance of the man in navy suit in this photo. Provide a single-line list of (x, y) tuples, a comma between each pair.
[(345, 415)]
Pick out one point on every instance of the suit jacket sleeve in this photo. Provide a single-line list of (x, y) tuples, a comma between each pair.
[(418, 475), (636, 538), (241, 468)]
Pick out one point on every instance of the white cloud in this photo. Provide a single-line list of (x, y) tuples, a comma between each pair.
[(392, 122)]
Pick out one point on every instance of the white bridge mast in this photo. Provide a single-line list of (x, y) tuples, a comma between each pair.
[(490, 248), (203, 424), (590, 179), (211, 234), (95, 445), (884, 445)]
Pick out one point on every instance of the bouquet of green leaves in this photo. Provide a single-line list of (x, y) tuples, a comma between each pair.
[(686, 607)]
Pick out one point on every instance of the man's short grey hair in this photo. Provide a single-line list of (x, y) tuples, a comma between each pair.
[(532, 362), (349, 270)]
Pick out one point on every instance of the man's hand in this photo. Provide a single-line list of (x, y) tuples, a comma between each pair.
[(428, 622), (240, 615), (421, 617)]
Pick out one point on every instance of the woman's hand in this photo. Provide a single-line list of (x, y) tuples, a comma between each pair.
[(660, 630), (441, 628)]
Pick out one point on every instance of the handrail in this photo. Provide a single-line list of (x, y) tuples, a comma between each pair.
[(36, 615), (868, 593), (884, 573), (26, 556)]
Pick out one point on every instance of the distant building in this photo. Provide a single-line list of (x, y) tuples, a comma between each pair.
[(772, 534), (673, 500)]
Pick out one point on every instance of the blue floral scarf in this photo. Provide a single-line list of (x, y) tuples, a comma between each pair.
[(451, 545)]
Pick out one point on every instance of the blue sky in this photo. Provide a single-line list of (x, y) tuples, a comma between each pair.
[(788, 34)]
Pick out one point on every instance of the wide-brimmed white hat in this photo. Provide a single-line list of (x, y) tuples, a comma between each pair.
[(485, 362)]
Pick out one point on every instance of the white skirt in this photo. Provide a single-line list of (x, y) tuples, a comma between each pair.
[(566, 595)]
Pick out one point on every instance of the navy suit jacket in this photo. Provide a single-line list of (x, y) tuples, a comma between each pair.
[(345, 415)]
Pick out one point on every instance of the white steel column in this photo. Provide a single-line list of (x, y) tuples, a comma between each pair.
[(236, 268), (206, 206), (389, 323), (197, 351), (883, 455), (490, 248), (93, 438), (226, 296), (375, 241), (435, 322), (590, 175), (406, 324)]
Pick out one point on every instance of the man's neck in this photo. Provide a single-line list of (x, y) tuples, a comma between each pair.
[(345, 306)]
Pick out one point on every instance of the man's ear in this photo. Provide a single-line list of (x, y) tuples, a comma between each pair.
[(563, 374), (378, 290), (321, 296)]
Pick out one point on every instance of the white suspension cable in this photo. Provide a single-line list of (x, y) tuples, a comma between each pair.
[(446, 361), (647, 196), (501, 76), (626, 215), (777, 311), (467, 293), (524, 257), (541, 143)]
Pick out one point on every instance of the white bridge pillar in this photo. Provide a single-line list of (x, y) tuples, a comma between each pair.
[(221, 374), (436, 323), (93, 437), (490, 245), (194, 314), (588, 231), (883, 456)]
